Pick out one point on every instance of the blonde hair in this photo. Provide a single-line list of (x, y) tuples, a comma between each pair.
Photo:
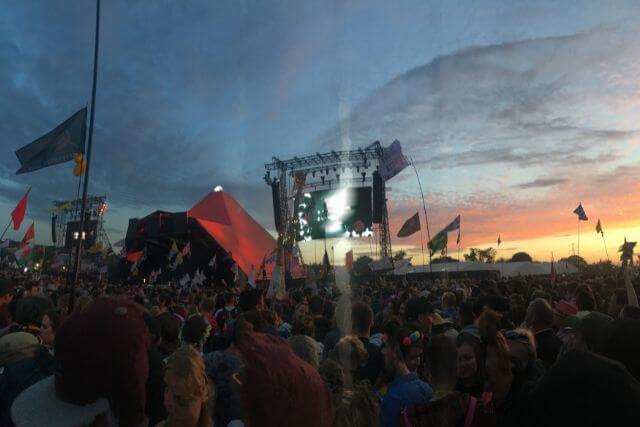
[(186, 366)]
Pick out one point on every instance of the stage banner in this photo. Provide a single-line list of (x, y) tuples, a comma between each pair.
[(393, 161)]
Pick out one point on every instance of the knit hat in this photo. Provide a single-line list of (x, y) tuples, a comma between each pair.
[(281, 389), (565, 308), (17, 346), (101, 353)]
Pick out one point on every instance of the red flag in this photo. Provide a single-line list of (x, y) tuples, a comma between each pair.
[(29, 235), (349, 260), (18, 213), (134, 256)]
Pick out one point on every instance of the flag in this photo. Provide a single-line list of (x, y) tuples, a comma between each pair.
[(251, 277), (57, 146), (5, 244), (24, 252), (348, 263), (154, 275), (18, 213), (185, 279), (186, 250), (499, 240), (582, 216), (81, 164), (599, 228), (123, 252), (325, 260), (392, 161), (173, 251), (176, 262), (410, 226), (213, 263), (134, 256), (455, 225), (198, 278), (236, 273), (28, 236), (439, 242)]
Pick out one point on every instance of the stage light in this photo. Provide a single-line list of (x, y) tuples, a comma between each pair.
[(322, 178), (25, 269), (327, 171), (358, 169), (218, 188), (338, 177), (363, 175), (313, 174)]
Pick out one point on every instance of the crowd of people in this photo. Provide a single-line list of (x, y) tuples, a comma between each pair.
[(464, 352)]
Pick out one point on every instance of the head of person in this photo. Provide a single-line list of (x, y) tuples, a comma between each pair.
[(81, 303), (207, 306), (316, 305), (188, 396), (170, 326), (497, 356), (585, 300), (17, 346), (441, 370), (51, 321), (562, 312), (304, 325), (630, 312), (466, 315), (30, 310), (539, 315), (195, 331), (7, 289), (617, 301), (419, 310), (403, 349), (31, 290), (361, 319), (448, 300), (250, 300), (305, 348), (229, 299), (350, 353), (470, 358), (522, 348)]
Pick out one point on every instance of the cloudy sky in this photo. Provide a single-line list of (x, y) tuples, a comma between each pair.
[(512, 111)]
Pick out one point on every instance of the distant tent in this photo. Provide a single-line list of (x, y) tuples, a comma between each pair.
[(234, 229)]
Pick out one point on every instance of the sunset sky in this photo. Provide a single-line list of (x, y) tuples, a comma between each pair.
[(514, 112)]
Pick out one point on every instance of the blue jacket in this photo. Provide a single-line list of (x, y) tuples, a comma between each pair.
[(404, 391)]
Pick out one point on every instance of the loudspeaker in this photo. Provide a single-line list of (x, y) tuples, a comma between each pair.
[(275, 195), (132, 229), (379, 199), (53, 228)]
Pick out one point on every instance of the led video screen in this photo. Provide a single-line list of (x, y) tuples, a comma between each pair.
[(343, 212)]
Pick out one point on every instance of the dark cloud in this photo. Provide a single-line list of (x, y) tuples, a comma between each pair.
[(542, 183)]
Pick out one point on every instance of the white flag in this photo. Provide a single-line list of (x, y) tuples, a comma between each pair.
[(213, 262), (185, 280), (4, 244), (251, 277), (198, 278), (393, 162)]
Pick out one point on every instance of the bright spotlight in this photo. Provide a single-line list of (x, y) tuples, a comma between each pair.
[(218, 188)]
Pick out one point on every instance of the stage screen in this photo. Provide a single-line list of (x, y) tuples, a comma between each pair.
[(343, 212)]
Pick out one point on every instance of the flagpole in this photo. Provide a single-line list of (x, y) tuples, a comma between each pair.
[(6, 228), (88, 157), (605, 247), (424, 206), (578, 236)]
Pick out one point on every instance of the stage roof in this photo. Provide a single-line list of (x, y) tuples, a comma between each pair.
[(234, 229)]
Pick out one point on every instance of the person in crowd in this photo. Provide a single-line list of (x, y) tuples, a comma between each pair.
[(617, 301), (23, 362), (540, 321), (7, 290), (585, 301), (170, 326), (470, 368), (522, 351), (51, 321), (351, 354), (189, 395), (304, 325), (251, 300), (322, 324), (361, 323), (305, 348), (31, 290), (155, 410), (419, 311), (195, 332), (404, 388), (207, 308), (449, 306), (100, 376), (29, 313)]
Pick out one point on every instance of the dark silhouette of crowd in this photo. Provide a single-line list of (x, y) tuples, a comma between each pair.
[(390, 351)]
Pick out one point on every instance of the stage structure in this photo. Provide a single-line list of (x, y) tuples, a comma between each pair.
[(303, 197), (65, 223)]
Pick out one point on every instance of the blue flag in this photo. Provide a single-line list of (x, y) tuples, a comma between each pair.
[(582, 216), (57, 146), (455, 225)]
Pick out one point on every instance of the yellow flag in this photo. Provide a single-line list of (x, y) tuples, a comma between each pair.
[(81, 164)]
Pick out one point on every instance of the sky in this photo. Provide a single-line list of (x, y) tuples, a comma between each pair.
[(513, 112)]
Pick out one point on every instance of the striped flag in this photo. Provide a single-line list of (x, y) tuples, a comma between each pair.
[(582, 216)]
